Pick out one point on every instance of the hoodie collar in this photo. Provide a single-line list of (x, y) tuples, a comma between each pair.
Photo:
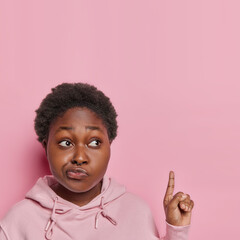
[(47, 198)]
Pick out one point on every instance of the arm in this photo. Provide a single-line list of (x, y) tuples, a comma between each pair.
[(178, 211)]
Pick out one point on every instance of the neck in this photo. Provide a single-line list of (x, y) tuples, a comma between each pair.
[(79, 199)]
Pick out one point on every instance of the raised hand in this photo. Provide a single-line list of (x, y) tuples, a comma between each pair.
[(178, 207)]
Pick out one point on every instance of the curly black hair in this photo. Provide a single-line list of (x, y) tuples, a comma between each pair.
[(70, 95)]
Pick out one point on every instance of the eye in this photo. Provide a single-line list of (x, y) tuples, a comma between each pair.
[(94, 143), (65, 143)]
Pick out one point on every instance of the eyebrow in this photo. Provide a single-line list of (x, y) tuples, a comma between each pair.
[(93, 128), (64, 128), (87, 127)]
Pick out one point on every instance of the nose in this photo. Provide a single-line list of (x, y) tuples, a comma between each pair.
[(79, 157)]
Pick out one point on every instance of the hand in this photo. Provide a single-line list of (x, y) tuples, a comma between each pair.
[(178, 208)]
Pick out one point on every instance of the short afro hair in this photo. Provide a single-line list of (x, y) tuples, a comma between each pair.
[(71, 95)]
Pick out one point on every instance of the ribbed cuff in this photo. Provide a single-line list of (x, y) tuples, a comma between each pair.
[(176, 232)]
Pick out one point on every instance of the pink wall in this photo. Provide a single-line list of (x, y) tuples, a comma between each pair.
[(171, 69)]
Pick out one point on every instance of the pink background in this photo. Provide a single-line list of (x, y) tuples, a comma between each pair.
[(171, 68)]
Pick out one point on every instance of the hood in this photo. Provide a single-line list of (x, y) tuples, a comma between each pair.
[(47, 198)]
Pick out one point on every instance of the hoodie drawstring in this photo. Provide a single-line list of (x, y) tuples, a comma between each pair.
[(103, 213), (51, 222)]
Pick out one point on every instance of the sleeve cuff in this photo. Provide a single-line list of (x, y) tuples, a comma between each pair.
[(176, 232)]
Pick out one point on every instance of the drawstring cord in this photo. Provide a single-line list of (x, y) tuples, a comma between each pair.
[(51, 222), (104, 214)]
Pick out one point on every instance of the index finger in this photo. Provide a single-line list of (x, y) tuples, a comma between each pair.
[(170, 187)]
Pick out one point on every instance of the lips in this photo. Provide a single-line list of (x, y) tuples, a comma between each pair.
[(76, 173)]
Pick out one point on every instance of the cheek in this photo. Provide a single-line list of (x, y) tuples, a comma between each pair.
[(57, 158), (101, 160)]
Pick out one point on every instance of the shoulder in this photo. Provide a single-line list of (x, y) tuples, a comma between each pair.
[(130, 208), (16, 213), (26, 216), (133, 199), (21, 207), (117, 195), (134, 205)]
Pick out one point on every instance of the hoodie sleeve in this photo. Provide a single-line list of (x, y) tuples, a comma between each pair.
[(176, 232), (2, 234)]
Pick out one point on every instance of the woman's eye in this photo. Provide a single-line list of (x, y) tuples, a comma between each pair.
[(94, 143), (65, 143)]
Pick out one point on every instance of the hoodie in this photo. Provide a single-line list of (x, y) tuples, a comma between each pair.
[(114, 214)]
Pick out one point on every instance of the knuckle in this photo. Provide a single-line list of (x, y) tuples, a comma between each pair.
[(179, 193)]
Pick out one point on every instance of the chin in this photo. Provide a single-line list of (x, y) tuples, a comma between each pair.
[(80, 186)]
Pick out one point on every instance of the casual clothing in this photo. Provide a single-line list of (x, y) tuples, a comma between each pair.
[(113, 215)]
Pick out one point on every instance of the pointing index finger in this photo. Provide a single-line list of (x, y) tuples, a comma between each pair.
[(170, 188)]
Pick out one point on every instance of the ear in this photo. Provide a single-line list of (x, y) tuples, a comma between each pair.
[(44, 144)]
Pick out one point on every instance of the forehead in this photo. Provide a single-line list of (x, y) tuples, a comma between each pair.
[(78, 116)]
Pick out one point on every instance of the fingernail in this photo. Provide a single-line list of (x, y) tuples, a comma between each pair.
[(184, 196)]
